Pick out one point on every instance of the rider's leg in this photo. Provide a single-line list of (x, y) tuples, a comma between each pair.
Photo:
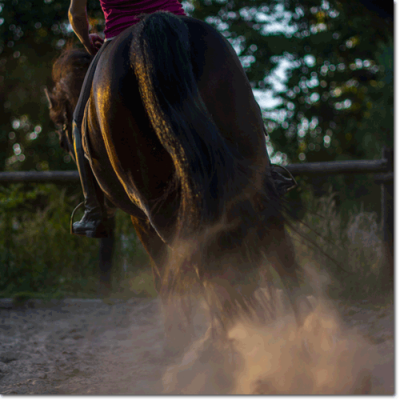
[(94, 221)]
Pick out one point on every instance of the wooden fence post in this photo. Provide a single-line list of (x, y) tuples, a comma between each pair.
[(106, 252), (387, 214)]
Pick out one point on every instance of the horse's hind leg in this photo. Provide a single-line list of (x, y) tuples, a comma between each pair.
[(154, 246), (281, 254), (177, 314)]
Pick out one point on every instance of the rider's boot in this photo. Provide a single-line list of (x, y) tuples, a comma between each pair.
[(94, 223)]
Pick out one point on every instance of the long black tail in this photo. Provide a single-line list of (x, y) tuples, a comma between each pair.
[(160, 57), (214, 182)]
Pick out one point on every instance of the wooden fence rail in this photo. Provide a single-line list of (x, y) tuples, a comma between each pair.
[(339, 167), (382, 167), (39, 177), (316, 168)]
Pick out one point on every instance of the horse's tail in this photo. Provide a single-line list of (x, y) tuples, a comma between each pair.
[(217, 222), (160, 57)]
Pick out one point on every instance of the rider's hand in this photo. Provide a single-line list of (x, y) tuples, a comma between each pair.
[(80, 25), (78, 19), (96, 42)]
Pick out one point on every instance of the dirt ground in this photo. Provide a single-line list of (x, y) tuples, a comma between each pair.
[(108, 348)]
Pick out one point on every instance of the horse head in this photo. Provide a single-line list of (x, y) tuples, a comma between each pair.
[(68, 74)]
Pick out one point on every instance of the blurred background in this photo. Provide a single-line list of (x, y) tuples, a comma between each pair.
[(322, 72)]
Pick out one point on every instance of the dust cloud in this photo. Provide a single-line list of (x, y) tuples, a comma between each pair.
[(321, 357)]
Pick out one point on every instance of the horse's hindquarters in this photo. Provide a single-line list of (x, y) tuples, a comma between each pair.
[(226, 91)]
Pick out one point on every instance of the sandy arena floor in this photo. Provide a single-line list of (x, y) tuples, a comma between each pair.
[(91, 347)]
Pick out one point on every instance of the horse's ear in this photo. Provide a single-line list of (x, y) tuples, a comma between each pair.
[(46, 92)]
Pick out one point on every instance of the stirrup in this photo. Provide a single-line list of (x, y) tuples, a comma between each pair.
[(295, 184), (286, 184), (72, 216)]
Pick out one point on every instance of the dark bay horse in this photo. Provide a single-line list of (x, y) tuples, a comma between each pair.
[(176, 140)]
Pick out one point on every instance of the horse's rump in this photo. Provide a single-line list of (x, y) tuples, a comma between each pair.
[(198, 94)]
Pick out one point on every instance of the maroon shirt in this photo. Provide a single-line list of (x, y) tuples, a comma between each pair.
[(121, 14)]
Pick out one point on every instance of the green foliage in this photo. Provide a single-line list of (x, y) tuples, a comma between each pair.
[(32, 34), (337, 57), (335, 96), (39, 255)]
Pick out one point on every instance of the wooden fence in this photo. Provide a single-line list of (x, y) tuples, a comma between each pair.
[(310, 169), (383, 168)]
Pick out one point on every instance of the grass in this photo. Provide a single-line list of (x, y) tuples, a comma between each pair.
[(40, 259), (356, 263)]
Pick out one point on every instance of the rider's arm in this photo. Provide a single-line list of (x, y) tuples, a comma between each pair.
[(78, 19)]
